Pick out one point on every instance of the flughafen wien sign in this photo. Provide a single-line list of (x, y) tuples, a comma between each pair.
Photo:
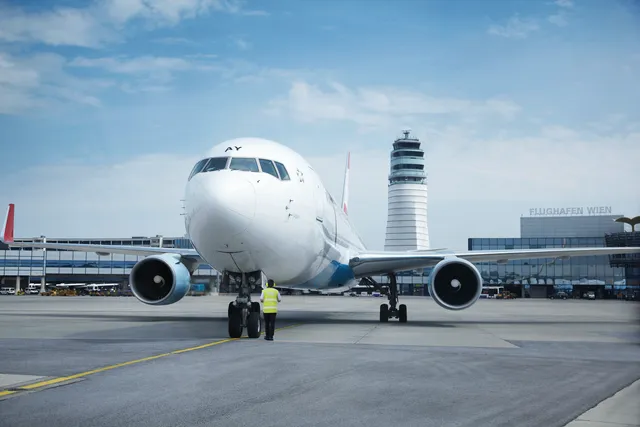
[(590, 210)]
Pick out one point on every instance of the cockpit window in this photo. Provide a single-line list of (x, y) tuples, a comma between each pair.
[(267, 167), (283, 171), (244, 164), (215, 164), (198, 168)]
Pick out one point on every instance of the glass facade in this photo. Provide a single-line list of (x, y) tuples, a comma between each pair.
[(588, 273), (60, 266)]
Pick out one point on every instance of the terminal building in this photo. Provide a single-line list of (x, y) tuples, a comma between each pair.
[(606, 276), (20, 267)]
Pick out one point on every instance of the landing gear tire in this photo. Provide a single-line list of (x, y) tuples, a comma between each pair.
[(402, 313), (231, 307), (384, 313), (253, 325), (253, 321), (235, 322)]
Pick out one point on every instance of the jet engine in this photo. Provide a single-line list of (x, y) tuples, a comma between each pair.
[(160, 279), (455, 284)]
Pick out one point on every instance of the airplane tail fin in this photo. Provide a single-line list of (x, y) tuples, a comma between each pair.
[(7, 230), (345, 187)]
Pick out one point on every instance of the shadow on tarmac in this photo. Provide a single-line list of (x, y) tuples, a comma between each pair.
[(311, 318)]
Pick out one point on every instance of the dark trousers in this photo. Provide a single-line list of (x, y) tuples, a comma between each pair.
[(269, 324)]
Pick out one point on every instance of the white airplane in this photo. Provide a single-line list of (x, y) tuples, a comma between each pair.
[(255, 209)]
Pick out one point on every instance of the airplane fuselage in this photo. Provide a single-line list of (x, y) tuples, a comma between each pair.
[(259, 206)]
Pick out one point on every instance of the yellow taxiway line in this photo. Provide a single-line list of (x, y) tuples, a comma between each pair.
[(58, 380)]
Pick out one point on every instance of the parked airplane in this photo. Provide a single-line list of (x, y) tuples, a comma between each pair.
[(255, 209)]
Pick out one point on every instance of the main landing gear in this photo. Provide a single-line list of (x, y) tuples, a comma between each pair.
[(393, 310), (244, 313)]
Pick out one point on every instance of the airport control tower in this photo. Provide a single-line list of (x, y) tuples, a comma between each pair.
[(407, 197)]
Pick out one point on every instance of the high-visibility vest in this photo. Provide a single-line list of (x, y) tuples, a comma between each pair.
[(270, 304)]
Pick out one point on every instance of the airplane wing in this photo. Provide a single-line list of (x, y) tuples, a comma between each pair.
[(8, 239), (371, 263)]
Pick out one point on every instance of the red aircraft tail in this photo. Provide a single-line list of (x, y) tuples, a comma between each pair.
[(7, 230)]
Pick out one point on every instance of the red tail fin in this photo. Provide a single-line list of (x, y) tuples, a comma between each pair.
[(7, 232)]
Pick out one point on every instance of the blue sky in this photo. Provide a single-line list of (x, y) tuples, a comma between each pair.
[(492, 88)]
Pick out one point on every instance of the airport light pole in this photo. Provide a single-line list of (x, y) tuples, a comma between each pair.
[(43, 279)]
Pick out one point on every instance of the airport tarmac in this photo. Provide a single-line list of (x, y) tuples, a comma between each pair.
[(113, 361)]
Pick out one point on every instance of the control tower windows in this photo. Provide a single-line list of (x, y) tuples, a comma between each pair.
[(408, 166), (408, 154), (407, 179), (406, 144)]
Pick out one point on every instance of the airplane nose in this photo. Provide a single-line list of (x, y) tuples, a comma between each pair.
[(232, 204)]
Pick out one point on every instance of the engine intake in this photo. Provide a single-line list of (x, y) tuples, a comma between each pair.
[(160, 279), (455, 284)]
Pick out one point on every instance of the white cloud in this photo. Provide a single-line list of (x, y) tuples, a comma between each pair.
[(377, 107), (61, 26), (38, 80), (242, 71), (564, 3), (174, 41), (12, 74), (202, 56), (515, 28), (493, 181), (558, 19), (613, 122), (41, 80), (101, 22), (167, 12), (20, 77), (111, 200), (150, 73), (138, 65), (241, 43), (121, 11), (254, 13), (559, 133), (14, 101)]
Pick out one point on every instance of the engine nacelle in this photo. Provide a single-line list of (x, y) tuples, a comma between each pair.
[(160, 279), (455, 284)]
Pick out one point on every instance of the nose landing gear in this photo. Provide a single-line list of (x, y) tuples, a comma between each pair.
[(244, 313), (393, 310)]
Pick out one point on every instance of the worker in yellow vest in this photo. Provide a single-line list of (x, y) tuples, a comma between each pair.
[(270, 298)]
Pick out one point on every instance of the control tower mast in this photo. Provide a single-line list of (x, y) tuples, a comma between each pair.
[(407, 197)]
